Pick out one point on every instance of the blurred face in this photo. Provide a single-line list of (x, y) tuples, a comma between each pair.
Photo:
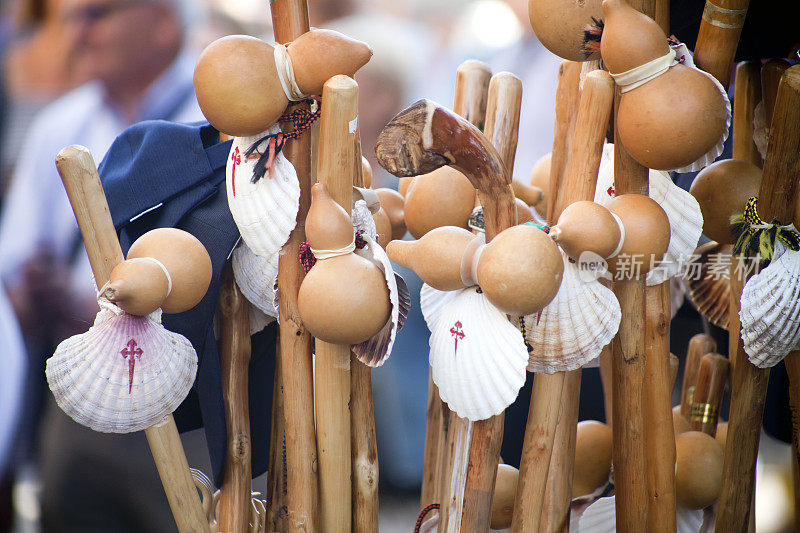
[(117, 41)]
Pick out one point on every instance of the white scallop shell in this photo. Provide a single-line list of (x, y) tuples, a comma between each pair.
[(431, 302), (601, 517), (362, 219), (572, 329), (770, 311), (123, 375), (266, 211), (683, 212), (257, 278), (376, 350), (477, 357)]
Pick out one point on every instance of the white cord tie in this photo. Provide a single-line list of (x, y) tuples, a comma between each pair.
[(283, 62), (327, 254), (621, 237), (633, 78), (163, 269)]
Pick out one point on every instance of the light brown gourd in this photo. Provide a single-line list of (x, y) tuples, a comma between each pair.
[(698, 469), (560, 24), (646, 234), (505, 488), (237, 84), (529, 194), (393, 204), (444, 197), (586, 226), (520, 270), (343, 299), (137, 286), (436, 257), (722, 189), (540, 177), (592, 457), (672, 120), (184, 257)]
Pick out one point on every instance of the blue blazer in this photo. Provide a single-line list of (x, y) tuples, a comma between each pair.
[(162, 174)]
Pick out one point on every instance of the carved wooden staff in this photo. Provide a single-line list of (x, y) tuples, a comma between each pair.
[(699, 345), (711, 379), (718, 37), (363, 445), (777, 200), (567, 98), (471, 91), (335, 169), (579, 184), (82, 183), (234, 350), (629, 357), (289, 21), (417, 141)]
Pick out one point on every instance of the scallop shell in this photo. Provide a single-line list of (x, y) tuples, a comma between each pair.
[(477, 357), (682, 54), (362, 219), (708, 277), (376, 350), (431, 302), (573, 329), (257, 278), (265, 212), (770, 310), (601, 517), (683, 212), (123, 375)]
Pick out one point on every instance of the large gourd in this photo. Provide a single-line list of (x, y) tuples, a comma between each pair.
[(675, 118), (561, 26), (344, 298), (444, 197)]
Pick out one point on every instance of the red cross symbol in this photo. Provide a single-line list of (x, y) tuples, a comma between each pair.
[(237, 159), (610, 190), (132, 350), (457, 333)]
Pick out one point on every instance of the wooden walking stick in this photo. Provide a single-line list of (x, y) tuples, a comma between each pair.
[(699, 345), (336, 168), (289, 21), (747, 93), (777, 200), (82, 183), (471, 91), (718, 37), (591, 122), (417, 141), (276, 475), (234, 350), (711, 379), (567, 98)]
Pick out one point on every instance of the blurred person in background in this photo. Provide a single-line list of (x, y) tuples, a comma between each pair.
[(134, 53)]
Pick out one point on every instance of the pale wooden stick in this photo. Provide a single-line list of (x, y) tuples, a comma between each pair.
[(777, 200), (82, 183), (364, 447), (335, 169), (629, 357), (659, 431), (234, 350), (276, 475), (567, 98), (471, 91), (718, 37), (747, 93), (711, 379), (289, 21), (699, 345)]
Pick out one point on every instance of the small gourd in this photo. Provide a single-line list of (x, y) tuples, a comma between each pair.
[(592, 457), (140, 284), (698, 469), (436, 257), (540, 177), (722, 190), (344, 298), (444, 197), (505, 491), (561, 26), (238, 85), (392, 203), (646, 234), (586, 226), (366, 172), (671, 120), (529, 194)]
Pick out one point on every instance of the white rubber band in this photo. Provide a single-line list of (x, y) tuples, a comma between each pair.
[(163, 269), (633, 78), (621, 237), (470, 258), (283, 62), (327, 254)]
